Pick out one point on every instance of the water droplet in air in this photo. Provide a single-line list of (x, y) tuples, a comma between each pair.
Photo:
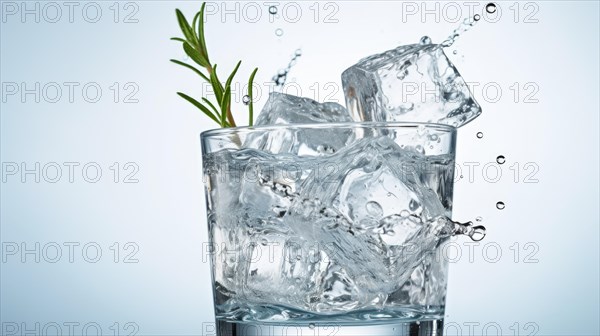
[(479, 135), (476, 233), (479, 218), (490, 8), (311, 326), (278, 31), (246, 100), (455, 52), (374, 209), (476, 17), (273, 10), (425, 40), (500, 159), (264, 242), (298, 52), (500, 205)]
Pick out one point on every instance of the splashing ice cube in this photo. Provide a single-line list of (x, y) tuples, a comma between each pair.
[(288, 110), (410, 83)]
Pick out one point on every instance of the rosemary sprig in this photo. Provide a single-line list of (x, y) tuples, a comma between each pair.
[(194, 45)]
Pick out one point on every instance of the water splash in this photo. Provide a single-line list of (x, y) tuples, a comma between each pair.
[(476, 233), (282, 74), (425, 40), (464, 26), (500, 159), (490, 8)]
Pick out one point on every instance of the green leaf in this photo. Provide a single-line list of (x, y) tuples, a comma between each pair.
[(177, 39), (211, 105), (194, 24), (250, 106), (188, 32), (228, 82), (225, 105), (216, 84), (202, 40), (191, 68), (201, 107), (194, 55)]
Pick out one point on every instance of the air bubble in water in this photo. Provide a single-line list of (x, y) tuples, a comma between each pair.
[(500, 159), (479, 135), (246, 100), (425, 40), (374, 209), (273, 10), (476, 17), (278, 31), (490, 8), (500, 205)]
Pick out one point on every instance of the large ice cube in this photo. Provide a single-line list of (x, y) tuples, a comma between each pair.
[(373, 215), (410, 83), (288, 110)]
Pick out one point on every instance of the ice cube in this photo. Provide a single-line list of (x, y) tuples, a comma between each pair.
[(414, 83), (365, 213), (282, 108), (288, 110)]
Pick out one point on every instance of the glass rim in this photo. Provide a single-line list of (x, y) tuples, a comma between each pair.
[(341, 125)]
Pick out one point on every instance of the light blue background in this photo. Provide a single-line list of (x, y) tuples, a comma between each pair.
[(168, 290)]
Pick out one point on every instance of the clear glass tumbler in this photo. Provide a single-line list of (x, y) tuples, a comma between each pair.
[(329, 229)]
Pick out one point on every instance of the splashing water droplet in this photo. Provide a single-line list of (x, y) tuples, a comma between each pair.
[(476, 233), (311, 326), (278, 31), (273, 10), (462, 28), (479, 135), (500, 159), (246, 100), (490, 8), (500, 205), (425, 40), (455, 52), (282, 74), (479, 218)]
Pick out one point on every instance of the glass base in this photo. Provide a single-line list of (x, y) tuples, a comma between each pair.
[(402, 328)]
